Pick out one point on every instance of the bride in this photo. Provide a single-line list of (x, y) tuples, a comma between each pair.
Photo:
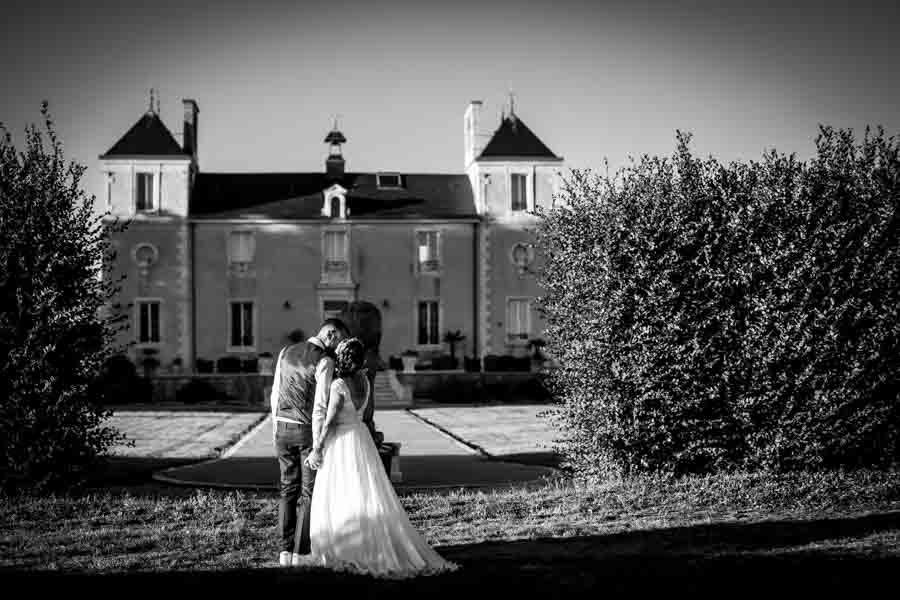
[(357, 522)]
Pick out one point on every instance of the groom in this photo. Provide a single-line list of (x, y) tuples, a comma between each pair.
[(299, 401)]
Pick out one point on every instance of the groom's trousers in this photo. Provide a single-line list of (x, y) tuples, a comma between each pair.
[(293, 443)]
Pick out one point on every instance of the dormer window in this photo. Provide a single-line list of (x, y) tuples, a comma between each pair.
[(389, 180), (144, 198), (519, 193)]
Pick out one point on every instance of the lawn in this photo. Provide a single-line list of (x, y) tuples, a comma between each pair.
[(824, 530)]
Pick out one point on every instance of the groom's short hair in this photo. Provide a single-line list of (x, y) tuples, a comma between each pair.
[(337, 324)]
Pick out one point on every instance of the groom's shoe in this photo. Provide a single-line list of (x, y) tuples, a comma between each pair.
[(284, 559)]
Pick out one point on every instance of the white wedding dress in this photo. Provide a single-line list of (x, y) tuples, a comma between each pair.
[(357, 523)]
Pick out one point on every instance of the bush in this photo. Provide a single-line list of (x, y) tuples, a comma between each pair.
[(56, 326), (204, 365), (738, 316), (507, 363), (196, 391), (249, 365), (228, 364), (296, 336), (395, 363), (119, 382)]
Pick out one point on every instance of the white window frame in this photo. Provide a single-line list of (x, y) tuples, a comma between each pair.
[(324, 299), (529, 190), (254, 314), (518, 341), (440, 316), (331, 267), (154, 182), (241, 267), (383, 186), (439, 251), (137, 321)]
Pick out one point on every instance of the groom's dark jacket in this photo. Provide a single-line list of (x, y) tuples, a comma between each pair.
[(297, 383)]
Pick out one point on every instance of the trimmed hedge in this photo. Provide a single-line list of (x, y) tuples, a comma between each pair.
[(728, 316)]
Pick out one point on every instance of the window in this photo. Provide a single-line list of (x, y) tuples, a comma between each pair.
[(333, 308), (144, 192), (518, 319), (335, 211), (336, 251), (519, 195), (241, 248), (427, 251), (389, 180), (148, 321), (242, 337), (428, 315)]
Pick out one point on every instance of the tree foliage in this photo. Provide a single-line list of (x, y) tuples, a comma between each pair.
[(728, 316), (54, 332)]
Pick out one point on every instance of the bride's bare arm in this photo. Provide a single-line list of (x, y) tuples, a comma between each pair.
[(335, 401)]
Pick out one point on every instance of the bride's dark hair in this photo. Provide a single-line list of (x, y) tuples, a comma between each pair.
[(349, 357)]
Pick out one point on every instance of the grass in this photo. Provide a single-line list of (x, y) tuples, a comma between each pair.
[(823, 530)]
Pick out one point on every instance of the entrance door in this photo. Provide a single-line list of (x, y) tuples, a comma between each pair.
[(333, 308)]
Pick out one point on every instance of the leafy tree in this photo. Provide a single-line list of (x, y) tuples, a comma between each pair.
[(57, 326), (728, 316)]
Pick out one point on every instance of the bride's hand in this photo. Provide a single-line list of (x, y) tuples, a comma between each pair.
[(314, 460)]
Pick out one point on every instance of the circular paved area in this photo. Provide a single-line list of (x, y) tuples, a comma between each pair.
[(429, 459)]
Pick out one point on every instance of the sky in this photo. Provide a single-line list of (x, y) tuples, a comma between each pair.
[(594, 80)]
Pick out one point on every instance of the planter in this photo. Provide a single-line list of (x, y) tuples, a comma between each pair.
[(409, 363), (266, 366)]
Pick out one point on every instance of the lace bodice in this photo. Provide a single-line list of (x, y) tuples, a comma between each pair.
[(356, 388)]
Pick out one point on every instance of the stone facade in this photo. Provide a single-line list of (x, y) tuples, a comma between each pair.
[(233, 274)]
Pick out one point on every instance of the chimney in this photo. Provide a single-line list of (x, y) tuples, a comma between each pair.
[(189, 139), (474, 140), (334, 164)]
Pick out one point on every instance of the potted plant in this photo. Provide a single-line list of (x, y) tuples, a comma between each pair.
[(177, 365), (453, 338), (266, 363), (537, 357), (409, 358), (149, 362)]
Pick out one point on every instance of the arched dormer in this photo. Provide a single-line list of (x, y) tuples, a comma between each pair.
[(334, 205)]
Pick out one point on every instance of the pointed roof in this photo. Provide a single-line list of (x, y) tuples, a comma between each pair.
[(148, 137), (513, 139)]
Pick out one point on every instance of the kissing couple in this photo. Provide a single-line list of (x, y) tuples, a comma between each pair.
[(338, 508)]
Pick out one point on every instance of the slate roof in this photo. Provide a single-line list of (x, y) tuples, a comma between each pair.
[(148, 137), (299, 196), (513, 139)]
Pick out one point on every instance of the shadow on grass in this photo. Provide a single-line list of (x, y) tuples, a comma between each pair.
[(731, 558)]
